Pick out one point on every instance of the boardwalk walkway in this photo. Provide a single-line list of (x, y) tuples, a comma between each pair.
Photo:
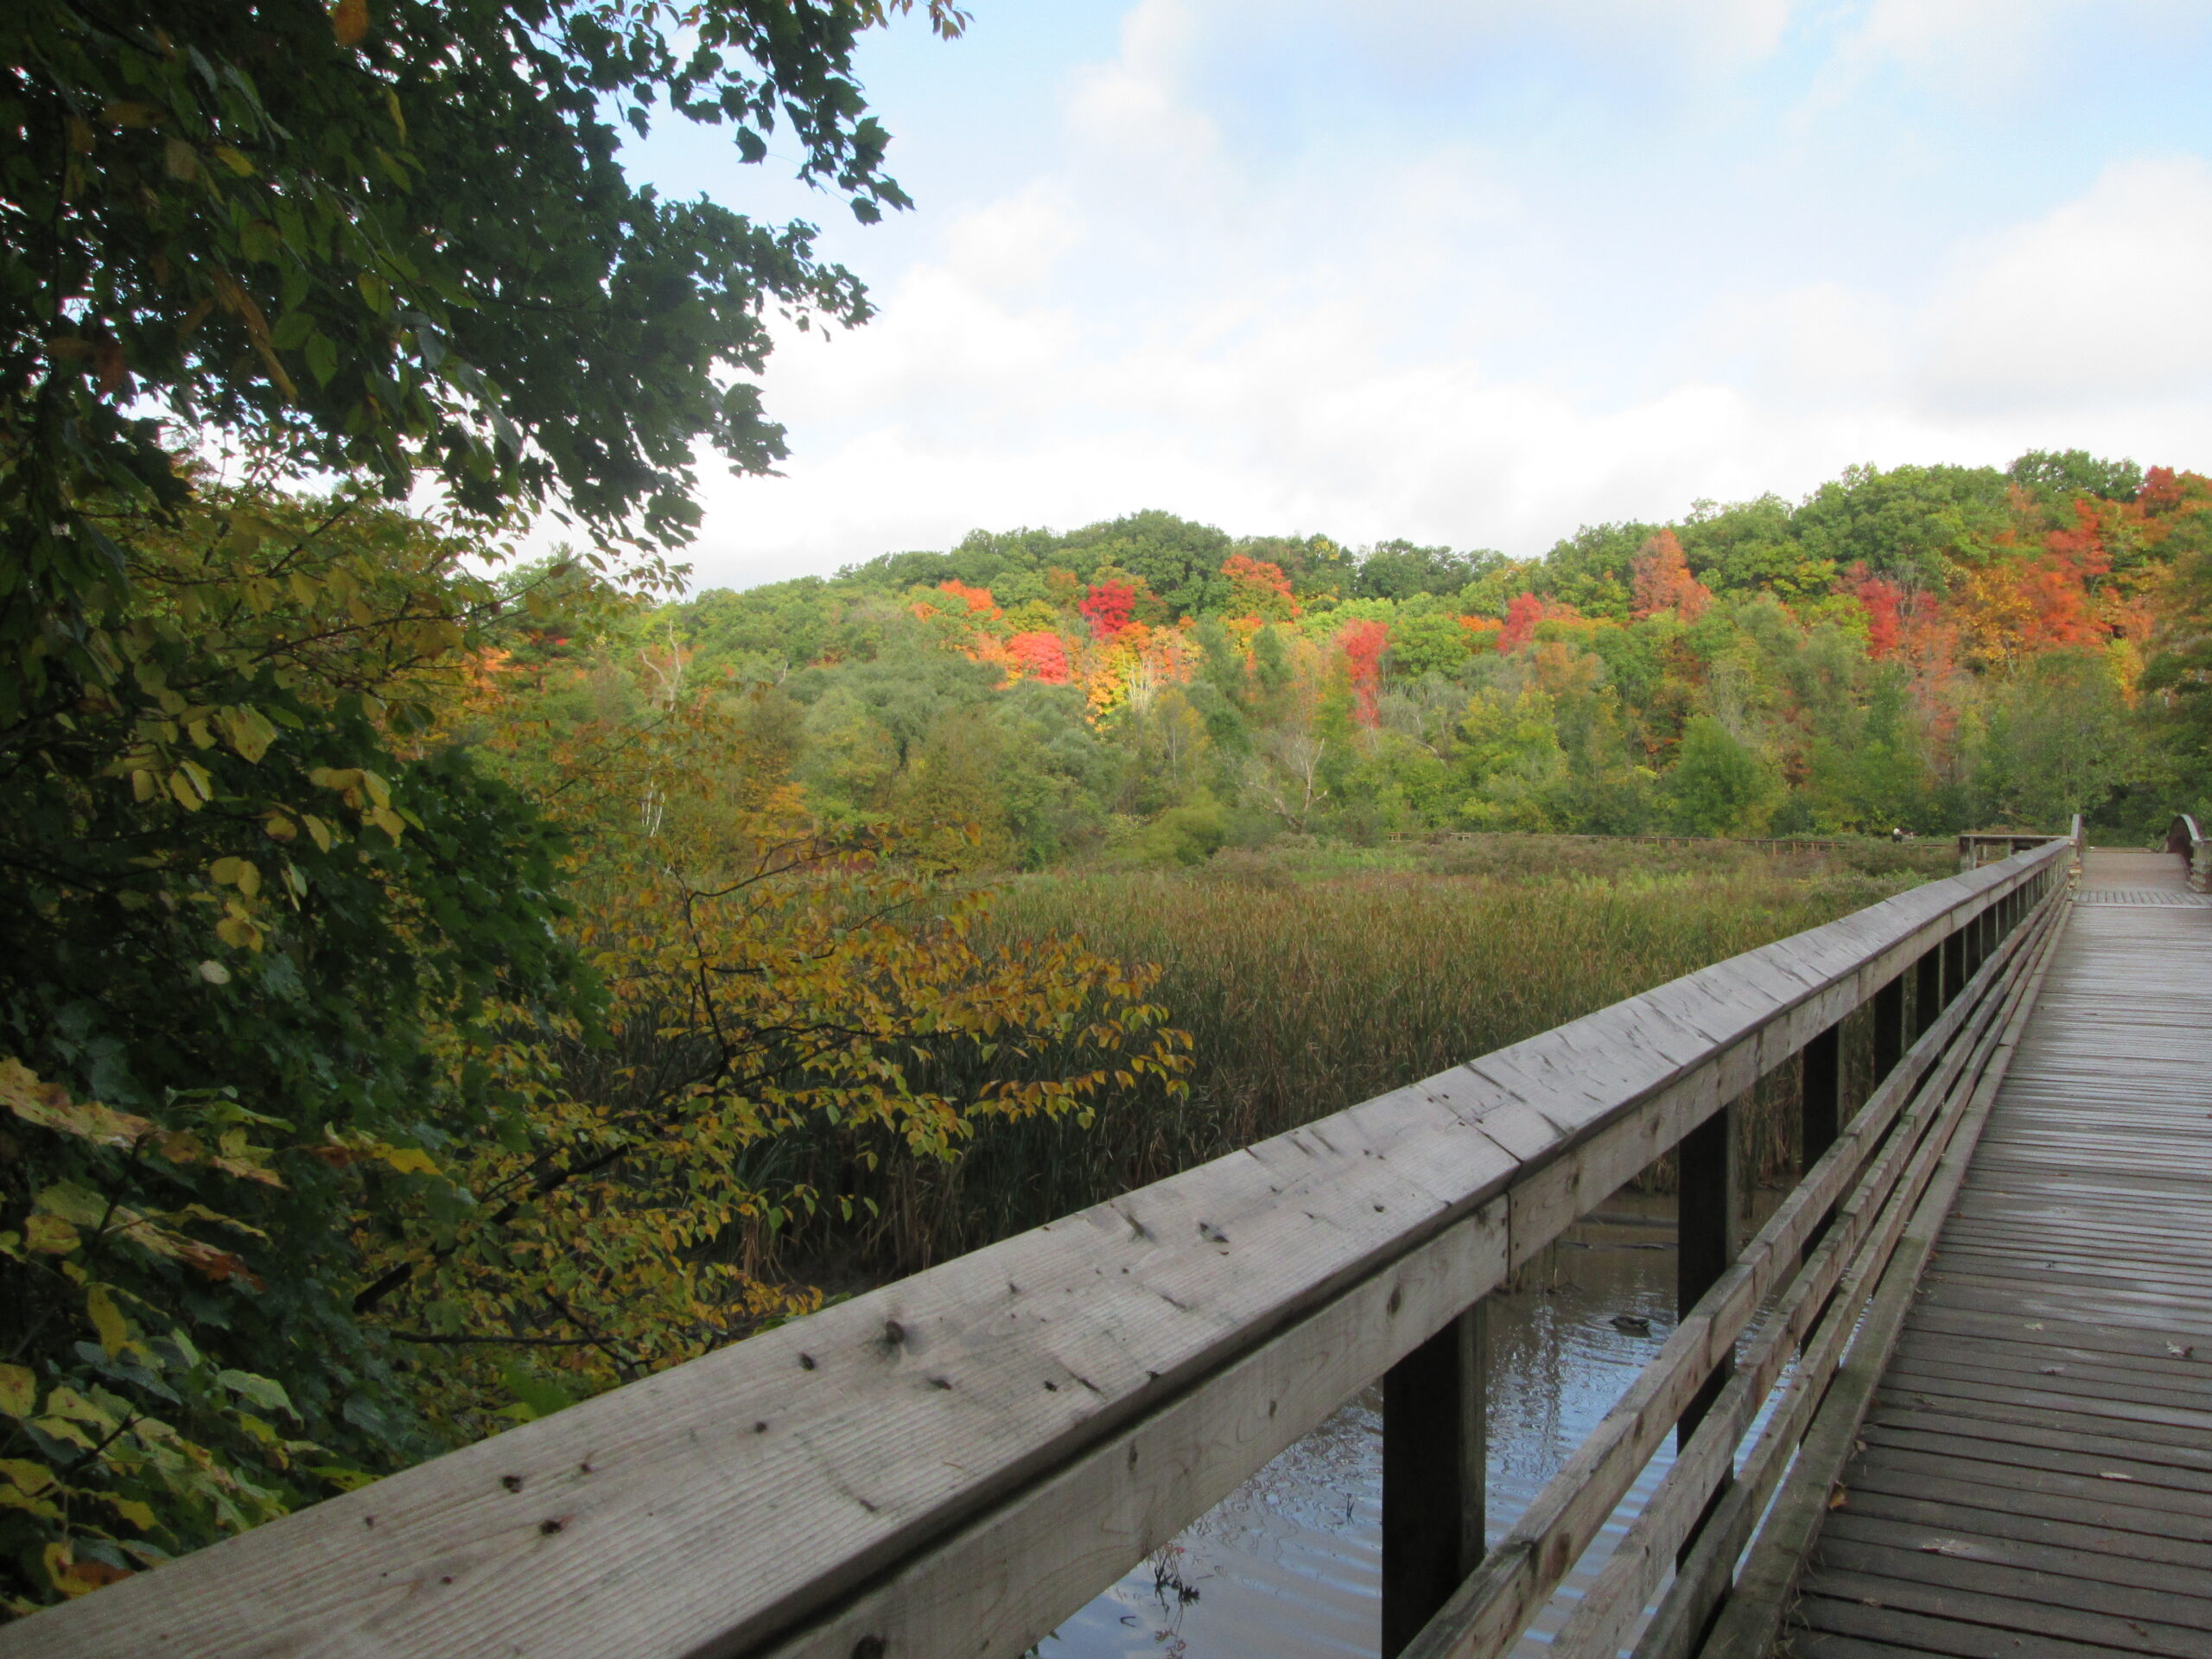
[(2035, 1480)]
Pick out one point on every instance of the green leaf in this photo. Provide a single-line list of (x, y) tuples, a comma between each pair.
[(108, 1322), (262, 1391), (18, 1392), (292, 330)]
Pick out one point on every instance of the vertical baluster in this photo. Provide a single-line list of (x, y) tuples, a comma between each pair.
[(1433, 1449), (1705, 1243), (1955, 965), (1889, 1027), (1821, 1079), (1926, 990), (1820, 1114), (1706, 1228)]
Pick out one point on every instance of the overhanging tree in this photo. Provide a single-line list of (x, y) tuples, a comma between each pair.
[(257, 927), (388, 240)]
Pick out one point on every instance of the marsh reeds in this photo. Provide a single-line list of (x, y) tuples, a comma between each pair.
[(1311, 980)]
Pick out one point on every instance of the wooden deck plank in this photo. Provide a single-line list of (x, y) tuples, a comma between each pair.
[(2064, 1452), (1983, 1536), (1916, 1632), (2123, 1633), (2035, 1478), (2037, 1592), (2084, 1541)]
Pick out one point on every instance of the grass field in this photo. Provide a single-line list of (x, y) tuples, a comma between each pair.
[(1311, 978)]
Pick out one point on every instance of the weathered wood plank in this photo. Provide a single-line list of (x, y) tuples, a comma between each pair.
[(1916, 1632), (2030, 1446), (1967, 1536), (2122, 1633), (1941, 1564), (1943, 1516)]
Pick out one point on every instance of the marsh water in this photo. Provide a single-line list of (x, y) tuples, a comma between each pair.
[(1289, 1565)]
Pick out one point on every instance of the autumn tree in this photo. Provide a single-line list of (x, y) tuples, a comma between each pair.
[(1661, 581), (796, 1015)]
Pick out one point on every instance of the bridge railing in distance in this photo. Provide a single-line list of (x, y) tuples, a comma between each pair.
[(955, 1463), (1977, 846), (2185, 838)]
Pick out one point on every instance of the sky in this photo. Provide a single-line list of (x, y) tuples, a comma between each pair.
[(1478, 272)]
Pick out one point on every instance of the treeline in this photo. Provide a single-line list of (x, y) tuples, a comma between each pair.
[(1923, 648)]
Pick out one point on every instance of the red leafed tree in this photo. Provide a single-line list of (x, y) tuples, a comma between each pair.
[(1521, 617), (1258, 588), (1662, 581), (1362, 643), (1040, 656), (1107, 608), (1884, 602)]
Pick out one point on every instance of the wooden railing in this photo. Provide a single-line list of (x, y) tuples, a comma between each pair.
[(2186, 839), (1975, 846), (955, 1463)]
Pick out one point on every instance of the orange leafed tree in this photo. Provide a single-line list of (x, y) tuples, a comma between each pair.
[(1662, 581), (977, 600), (1258, 588)]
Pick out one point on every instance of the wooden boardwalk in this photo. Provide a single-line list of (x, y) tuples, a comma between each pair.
[(2034, 1480)]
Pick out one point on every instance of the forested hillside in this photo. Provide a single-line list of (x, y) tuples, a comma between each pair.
[(1927, 647)]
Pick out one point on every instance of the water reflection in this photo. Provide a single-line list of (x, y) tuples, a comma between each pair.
[(1290, 1564)]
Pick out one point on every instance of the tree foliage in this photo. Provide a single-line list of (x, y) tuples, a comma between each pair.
[(1878, 652), (385, 240)]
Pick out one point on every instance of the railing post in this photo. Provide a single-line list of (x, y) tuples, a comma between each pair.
[(1889, 1027), (1705, 1232), (1926, 990), (1820, 1089), (1955, 964), (1434, 1444)]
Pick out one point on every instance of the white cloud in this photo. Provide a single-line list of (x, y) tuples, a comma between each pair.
[(1412, 33), (1429, 342), (2107, 298)]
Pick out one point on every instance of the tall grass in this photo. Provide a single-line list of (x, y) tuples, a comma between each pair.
[(1311, 979)]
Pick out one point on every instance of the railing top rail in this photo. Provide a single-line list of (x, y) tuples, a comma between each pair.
[(748, 1501)]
